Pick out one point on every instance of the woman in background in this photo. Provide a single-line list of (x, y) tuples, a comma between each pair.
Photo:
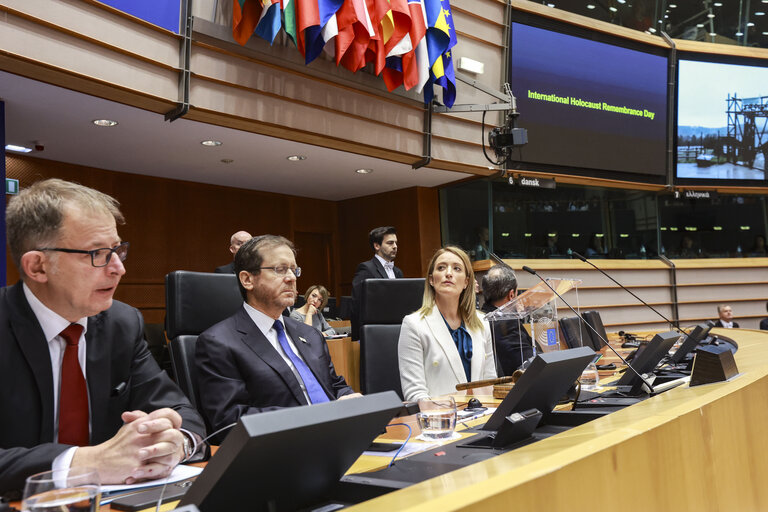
[(310, 312), (445, 342)]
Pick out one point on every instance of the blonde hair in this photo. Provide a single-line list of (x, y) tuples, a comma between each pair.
[(321, 290), (467, 310)]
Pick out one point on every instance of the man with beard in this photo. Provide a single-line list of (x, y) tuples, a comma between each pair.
[(257, 360)]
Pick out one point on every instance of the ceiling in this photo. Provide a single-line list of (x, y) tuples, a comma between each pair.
[(144, 143)]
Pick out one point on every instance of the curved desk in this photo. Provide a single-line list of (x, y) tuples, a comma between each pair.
[(701, 448)]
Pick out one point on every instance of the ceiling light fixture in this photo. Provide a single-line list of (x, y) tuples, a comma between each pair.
[(18, 149), (612, 9), (710, 15), (759, 13), (104, 122), (296, 158), (718, 4), (364, 171), (739, 33), (672, 6), (210, 143), (590, 6)]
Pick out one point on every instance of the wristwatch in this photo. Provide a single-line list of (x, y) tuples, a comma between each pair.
[(188, 447)]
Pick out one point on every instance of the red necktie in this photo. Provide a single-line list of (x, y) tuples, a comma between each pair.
[(73, 397)]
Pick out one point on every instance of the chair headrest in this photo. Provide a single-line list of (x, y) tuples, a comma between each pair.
[(387, 301), (194, 301)]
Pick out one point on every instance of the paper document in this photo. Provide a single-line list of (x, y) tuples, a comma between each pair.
[(179, 473)]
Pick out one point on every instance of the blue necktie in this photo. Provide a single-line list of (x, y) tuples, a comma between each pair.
[(313, 387)]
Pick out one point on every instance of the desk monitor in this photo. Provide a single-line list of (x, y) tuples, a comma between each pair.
[(648, 356), (543, 383), (290, 458), (699, 333)]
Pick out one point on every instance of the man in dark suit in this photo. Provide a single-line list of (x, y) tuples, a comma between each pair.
[(512, 343), (78, 386), (235, 241), (258, 360), (726, 317), (383, 241), (764, 321)]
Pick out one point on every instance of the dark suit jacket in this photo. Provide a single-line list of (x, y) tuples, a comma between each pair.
[(229, 268), (718, 323), (117, 353), (239, 372), (371, 269), (511, 341), (764, 324)]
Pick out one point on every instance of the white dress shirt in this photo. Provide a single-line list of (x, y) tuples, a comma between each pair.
[(389, 266)]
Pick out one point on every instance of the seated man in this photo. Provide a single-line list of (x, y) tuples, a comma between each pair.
[(726, 317), (78, 386), (258, 360), (235, 241), (513, 344)]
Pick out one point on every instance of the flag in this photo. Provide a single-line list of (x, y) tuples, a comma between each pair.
[(378, 10), (416, 62), (288, 8), (440, 37), (269, 24), (396, 28), (312, 16), (355, 32), (245, 17)]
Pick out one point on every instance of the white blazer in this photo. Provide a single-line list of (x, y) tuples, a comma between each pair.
[(429, 361)]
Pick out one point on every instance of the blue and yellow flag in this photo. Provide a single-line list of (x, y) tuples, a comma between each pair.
[(441, 37)]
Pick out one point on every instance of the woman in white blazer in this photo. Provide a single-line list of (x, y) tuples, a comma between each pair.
[(445, 342)]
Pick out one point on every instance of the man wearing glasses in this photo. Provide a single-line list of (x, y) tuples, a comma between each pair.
[(258, 360), (78, 386)]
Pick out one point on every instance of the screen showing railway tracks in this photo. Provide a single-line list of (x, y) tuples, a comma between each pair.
[(722, 121), (589, 104)]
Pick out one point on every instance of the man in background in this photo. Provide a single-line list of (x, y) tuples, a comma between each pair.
[(78, 386), (513, 344), (235, 241), (383, 241), (726, 317), (258, 360), (764, 321)]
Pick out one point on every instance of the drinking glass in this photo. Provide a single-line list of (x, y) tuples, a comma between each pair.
[(65, 490), (590, 378), (437, 418)]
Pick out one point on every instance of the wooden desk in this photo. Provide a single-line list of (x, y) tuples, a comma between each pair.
[(699, 448), (345, 355)]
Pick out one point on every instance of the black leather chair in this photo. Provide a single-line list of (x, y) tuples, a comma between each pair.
[(384, 304), (194, 301)]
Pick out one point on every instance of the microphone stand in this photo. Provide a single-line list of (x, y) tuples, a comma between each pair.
[(585, 260), (533, 272)]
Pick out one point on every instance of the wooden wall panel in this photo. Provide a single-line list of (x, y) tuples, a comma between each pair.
[(179, 225), (413, 211)]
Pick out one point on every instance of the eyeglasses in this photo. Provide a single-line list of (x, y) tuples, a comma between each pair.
[(99, 257), (282, 270)]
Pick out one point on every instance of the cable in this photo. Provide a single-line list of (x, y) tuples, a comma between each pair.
[(201, 443), (482, 136), (410, 431)]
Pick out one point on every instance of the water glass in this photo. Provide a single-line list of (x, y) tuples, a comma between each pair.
[(66, 490), (437, 418), (590, 378)]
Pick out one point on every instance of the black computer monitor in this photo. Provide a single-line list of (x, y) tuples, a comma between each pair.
[(290, 458), (648, 356), (543, 383), (699, 333), (598, 334)]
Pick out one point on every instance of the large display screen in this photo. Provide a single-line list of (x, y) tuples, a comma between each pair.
[(722, 121), (589, 104)]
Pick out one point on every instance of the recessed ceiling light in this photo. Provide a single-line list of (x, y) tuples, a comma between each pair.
[(699, 25), (296, 158), (759, 13), (622, 1), (590, 6), (652, 30), (612, 9), (750, 24), (226, 160), (104, 122), (211, 143), (364, 171), (718, 4), (739, 33), (710, 15), (672, 6), (550, 5), (18, 149), (765, 33), (712, 34)]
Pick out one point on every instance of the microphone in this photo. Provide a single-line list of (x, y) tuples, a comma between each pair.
[(533, 272), (585, 260)]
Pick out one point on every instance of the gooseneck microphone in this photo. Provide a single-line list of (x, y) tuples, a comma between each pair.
[(670, 322), (531, 271)]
